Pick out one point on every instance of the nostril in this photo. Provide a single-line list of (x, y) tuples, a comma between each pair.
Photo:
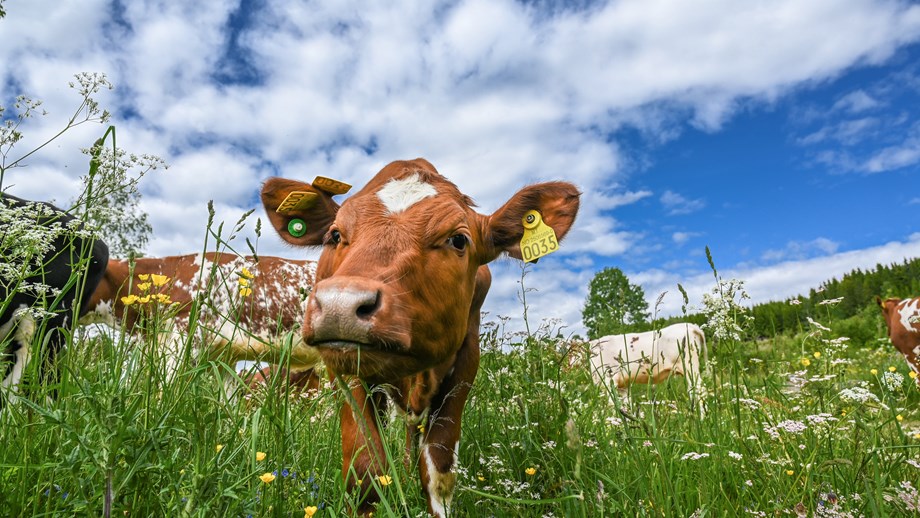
[(367, 310)]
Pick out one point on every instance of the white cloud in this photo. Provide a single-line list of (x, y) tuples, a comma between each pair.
[(495, 94), (797, 250), (856, 102), (680, 238), (777, 281), (904, 154), (676, 204)]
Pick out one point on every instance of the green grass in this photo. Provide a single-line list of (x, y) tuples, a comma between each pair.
[(124, 435)]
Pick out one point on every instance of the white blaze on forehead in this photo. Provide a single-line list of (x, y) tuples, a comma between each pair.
[(907, 310), (399, 195)]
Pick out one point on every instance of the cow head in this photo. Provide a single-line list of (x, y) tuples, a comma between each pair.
[(397, 273), (888, 309)]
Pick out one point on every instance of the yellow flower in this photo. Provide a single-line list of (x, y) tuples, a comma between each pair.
[(182, 471), (267, 478), (917, 436), (384, 480), (899, 417), (531, 471), (218, 448), (246, 274), (873, 371), (843, 413), (309, 511), (243, 281), (790, 472), (912, 375), (158, 280), (143, 276), (260, 456), (421, 428), (130, 299), (892, 369), (245, 291), (480, 478), (143, 300), (806, 362), (817, 354), (144, 286), (163, 298)]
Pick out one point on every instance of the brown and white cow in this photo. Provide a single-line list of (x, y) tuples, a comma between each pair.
[(650, 357), (903, 319), (396, 305), (248, 307)]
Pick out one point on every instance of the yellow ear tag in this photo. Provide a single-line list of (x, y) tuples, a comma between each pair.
[(331, 186), (297, 200), (539, 238)]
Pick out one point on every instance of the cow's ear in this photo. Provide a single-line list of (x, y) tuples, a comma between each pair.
[(557, 203), (300, 213)]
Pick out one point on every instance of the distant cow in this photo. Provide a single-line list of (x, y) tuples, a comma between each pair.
[(48, 263), (248, 307), (903, 319), (396, 305), (649, 357)]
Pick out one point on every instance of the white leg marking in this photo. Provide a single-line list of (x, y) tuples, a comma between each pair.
[(440, 504)]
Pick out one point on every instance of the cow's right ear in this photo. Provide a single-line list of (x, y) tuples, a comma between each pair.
[(300, 213)]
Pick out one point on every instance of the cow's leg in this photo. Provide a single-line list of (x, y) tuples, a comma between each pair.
[(363, 456), (440, 443)]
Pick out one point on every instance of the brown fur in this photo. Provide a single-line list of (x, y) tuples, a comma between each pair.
[(416, 336), (905, 339)]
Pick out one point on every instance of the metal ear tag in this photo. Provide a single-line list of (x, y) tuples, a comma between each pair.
[(331, 186), (297, 200), (539, 239)]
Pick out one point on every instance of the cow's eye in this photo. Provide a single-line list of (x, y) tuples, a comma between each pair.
[(458, 241), (334, 237)]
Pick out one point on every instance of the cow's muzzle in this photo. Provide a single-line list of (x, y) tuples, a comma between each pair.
[(342, 312)]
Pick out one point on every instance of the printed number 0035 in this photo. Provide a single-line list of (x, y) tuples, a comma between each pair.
[(540, 248)]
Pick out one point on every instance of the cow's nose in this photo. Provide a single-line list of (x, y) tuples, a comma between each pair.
[(343, 309)]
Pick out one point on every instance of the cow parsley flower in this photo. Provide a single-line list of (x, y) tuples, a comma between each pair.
[(892, 381), (694, 456), (734, 455), (858, 395), (790, 426)]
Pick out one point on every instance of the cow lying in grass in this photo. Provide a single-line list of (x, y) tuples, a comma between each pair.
[(396, 305), (48, 264), (902, 316), (650, 357), (247, 308)]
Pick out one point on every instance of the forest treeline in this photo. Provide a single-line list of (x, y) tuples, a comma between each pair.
[(848, 304)]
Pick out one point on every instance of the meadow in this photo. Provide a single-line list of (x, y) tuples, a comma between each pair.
[(804, 425)]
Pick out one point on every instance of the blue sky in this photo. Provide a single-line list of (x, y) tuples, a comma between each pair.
[(784, 135)]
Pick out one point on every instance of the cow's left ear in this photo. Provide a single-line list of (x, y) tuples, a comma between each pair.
[(557, 203), (300, 213)]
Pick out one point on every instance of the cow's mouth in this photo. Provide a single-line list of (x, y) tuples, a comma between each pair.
[(339, 345)]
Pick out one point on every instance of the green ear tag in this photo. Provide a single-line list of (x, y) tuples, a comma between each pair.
[(539, 239), (297, 227)]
